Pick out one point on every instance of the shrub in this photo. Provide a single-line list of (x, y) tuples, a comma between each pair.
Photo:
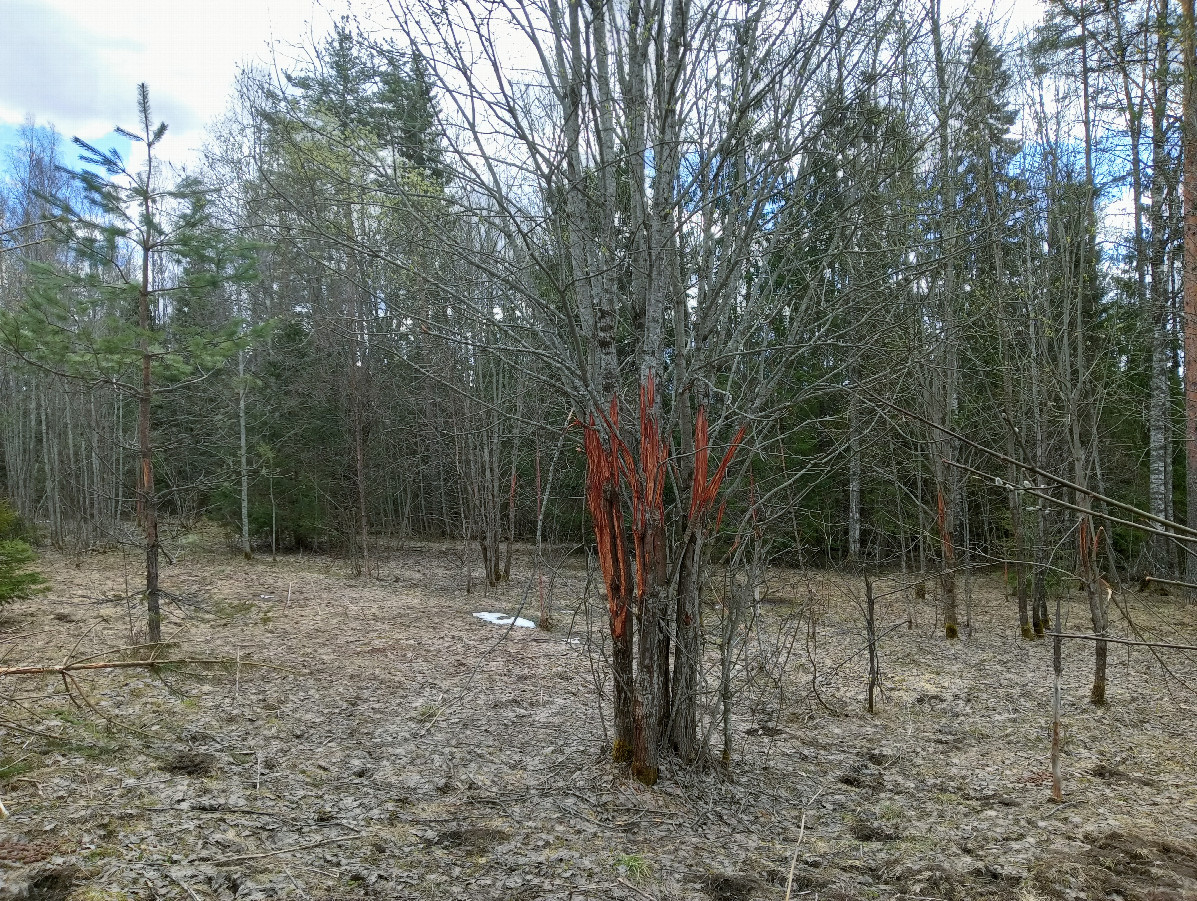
[(16, 580), (13, 527)]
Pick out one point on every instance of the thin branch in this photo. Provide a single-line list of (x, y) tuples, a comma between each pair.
[(131, 664)]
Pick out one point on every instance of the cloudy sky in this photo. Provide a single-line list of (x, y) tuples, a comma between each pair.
[(77, 63)]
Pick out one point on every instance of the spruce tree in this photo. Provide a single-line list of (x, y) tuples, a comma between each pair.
[(16, 580), (138, 250)]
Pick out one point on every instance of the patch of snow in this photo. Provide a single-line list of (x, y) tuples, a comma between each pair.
[(500, 619)]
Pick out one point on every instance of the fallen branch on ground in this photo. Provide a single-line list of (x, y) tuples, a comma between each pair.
[(65, 668), (240, 857)]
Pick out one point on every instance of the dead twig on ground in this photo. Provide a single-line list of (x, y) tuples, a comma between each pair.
[(66, 668), (801, 834), (240, 857), (639, 892), (794, 856), (9, 724), (183, 885)]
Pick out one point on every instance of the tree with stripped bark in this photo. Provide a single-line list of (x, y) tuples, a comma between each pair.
[(636, 174)]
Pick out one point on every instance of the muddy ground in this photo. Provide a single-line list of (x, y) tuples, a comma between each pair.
[(403, 748)]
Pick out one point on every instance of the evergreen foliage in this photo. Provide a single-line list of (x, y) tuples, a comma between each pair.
[(422, 283), (17, 580)]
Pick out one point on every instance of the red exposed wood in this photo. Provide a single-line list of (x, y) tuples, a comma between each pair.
[(648, 490), (702, 492), (602, 497)]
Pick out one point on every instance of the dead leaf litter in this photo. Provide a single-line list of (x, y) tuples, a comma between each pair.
[(400, 747)]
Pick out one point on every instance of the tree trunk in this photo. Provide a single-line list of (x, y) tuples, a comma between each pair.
[(1081, 413), (1190, 274), (1097, 592), (684, 727), (945, 376), (1160, 415), (651, 704), (50, 468), (854, 477), (359, 460), (246, 550), (603, 502), (947, 574), (147, 498), (871, 637), (1039, 619), (515, 446)]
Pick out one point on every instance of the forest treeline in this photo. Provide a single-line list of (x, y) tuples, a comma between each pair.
[(680, 281)]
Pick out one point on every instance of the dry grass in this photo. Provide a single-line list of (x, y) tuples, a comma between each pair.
[(416, 752)]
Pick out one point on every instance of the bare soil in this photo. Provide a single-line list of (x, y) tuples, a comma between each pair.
[(405, 749)]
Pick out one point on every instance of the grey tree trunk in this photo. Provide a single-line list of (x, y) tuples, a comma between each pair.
[(1160, 413), (854, 480), (147, 497), (945, 373), (1189, 45), (246, 550), (1081, 425)]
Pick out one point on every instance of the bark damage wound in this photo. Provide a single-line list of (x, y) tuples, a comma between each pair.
[(646, 477), (602, 498), (648, 491), (702, 493), (643, 708)]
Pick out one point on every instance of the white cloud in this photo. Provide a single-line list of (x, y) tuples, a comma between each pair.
[(77, 63)]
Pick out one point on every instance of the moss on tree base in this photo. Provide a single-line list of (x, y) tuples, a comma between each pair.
[(646, 775)]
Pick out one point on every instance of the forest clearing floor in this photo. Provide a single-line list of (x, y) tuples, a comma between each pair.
[(410, 750)]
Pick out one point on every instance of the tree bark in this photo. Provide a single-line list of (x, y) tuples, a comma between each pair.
[(1190, 274), (684, 727), (1160, 412), (1081, 427), (603, 501), (147, 498), (651, 703), (854, 479), (246, 550), (945, 375)]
